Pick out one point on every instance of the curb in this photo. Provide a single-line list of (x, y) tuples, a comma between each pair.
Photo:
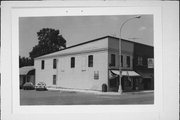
[(100, 93)]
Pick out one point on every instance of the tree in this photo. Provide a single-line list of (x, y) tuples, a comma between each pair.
[(49, 41), (25, 61)]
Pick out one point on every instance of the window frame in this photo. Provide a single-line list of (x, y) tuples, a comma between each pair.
[(54, 63), (54, 79), (128, 61), (139, 60), (90, 60), (122, 60), (96, 75), (113, 60), (42, 64), (72, 63)]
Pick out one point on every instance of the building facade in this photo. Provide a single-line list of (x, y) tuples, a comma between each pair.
[(88, 66), (26, 74)]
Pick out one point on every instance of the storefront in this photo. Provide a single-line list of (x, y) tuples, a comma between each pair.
[(147, 79), (130, 81)]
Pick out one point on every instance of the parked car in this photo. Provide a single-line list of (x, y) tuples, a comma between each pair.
[(41, 86), (28, 86)]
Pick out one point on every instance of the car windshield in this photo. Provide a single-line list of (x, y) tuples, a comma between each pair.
[(43, 84)]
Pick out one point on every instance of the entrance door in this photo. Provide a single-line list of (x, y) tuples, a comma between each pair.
[(114, 84), (147, 83)]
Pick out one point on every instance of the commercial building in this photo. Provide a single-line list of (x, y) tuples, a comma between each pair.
[(93, 65)]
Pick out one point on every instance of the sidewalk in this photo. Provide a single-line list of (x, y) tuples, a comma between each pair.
[(99, 92)]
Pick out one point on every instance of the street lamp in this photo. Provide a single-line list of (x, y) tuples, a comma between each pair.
[(120, 71)]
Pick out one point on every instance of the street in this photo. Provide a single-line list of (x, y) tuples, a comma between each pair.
[(32, 97)]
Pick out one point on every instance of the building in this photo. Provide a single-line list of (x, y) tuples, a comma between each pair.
[(27, 74), (143, 64), (90, 65)]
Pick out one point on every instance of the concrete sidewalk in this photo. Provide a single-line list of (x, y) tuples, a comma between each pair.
[(99, 92)]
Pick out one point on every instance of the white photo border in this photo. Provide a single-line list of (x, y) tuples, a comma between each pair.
[(10, 49)]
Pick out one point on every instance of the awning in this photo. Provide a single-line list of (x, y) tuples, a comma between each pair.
[(146, 74), (25, 70), (112, 75), (126, 73)]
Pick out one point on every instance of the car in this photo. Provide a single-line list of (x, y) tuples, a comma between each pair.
[(28, 86), (41, 86)]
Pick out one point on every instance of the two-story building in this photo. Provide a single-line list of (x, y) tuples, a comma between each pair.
[(89, 66)]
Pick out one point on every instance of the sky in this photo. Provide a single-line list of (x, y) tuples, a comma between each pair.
[(78, 29)]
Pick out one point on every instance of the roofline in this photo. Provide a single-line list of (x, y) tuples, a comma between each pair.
[(76, 45), (104, 38), (129, 41), (94, 41)]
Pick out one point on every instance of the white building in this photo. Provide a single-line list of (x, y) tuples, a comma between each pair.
[(86, 65)]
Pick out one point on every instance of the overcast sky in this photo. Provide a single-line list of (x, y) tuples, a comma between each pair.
[(76, 29)]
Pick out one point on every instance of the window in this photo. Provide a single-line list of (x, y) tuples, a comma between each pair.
[(42, 64), (128, 61), (54, 79), (96, 75), (121, 60), (83, 64), (128, 82), (54, 63), (140, 60), (72, 62), (113, 59), (90, 61)]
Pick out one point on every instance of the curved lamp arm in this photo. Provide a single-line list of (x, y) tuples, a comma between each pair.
[(120, 74), (137, 17)]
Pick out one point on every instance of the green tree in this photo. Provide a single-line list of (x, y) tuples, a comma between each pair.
[(49, 40), (25, 61)]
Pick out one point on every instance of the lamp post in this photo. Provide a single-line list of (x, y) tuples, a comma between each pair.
[(120, 70)]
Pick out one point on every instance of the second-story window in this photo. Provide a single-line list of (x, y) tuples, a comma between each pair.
[(90, 61), (140, 60), (54, 63), (42, 64), (113, 59), (121, 60), (72, 62), (128, 61)]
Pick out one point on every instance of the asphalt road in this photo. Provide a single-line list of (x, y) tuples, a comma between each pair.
[(32, 97)]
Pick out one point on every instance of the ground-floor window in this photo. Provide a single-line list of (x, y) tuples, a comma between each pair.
[(127, 82), (114, 82), (54, 79), (96, 75)]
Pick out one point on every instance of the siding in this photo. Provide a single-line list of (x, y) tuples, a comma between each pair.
[(82, 76), (127, 50), (45, 75)]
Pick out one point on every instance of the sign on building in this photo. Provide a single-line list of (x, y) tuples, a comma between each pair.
[(150, 62)]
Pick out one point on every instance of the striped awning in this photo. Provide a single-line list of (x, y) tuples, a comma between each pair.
[(125, 73)]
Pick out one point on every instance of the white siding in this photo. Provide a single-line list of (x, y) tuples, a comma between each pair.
[(82, 76), (46, 74)]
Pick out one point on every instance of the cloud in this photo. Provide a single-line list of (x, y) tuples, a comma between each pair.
[(142, 28)]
